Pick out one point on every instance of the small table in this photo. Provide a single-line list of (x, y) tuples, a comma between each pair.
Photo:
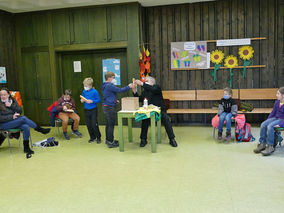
[(129, 115)]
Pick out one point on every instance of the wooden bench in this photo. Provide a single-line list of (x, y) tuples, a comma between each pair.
[(215, 95)]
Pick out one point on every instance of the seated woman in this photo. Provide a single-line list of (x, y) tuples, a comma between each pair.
[(10, 118)]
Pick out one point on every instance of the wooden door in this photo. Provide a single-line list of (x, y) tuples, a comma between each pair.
[(37, 91), (91, 63)]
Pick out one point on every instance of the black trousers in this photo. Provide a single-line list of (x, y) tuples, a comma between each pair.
[(91, 117), (110, 116), (165, 120)]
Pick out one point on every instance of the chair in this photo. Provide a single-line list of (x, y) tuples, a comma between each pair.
[(214, 129), (58, 124), (7, 133), (54, 117), (277, 134)]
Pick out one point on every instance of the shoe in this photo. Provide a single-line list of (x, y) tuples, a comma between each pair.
[(99, 140), (268, 151), (112, 144), (143, 142), (219, 135), (77, 133), (228, 136), (173, 143), (66, 136), (42, 130), (260, 147), (91, 140), (27, 148)]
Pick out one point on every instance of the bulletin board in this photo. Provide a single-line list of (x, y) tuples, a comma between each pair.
[(189, 55)]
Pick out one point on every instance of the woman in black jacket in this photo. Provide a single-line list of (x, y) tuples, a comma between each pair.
[(10, 118)]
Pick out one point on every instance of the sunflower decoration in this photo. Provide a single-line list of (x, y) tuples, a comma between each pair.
[(231, 62), (246, 53), (216, 58)]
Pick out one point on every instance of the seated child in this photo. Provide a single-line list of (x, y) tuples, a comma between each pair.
[(66, 107), (275, 119), (227, 109)]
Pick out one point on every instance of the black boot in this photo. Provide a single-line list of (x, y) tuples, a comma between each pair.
[(143, 142), (27, 148), (173, 142), (42, 130)]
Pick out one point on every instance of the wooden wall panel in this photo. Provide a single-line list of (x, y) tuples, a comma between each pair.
[(224, 19), (7, 49)]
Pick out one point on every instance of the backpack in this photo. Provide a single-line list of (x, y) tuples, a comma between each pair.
[(244, 134)]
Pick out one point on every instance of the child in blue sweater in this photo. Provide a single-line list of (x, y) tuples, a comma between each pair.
[(109, 91), (275, 119), (90, 99)]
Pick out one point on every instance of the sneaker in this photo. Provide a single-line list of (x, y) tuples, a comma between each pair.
[(219, 135), (99, 140), (173, 143), (143, 142), (268, 150), (77, 133), (91, 140), (228, 136), (66, 136), (111, 144), (260, 147)]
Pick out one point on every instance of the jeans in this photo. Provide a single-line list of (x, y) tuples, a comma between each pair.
[(267, 130), (165, 120), (110, 116), (91, 117), (225, 116), (22, 123)]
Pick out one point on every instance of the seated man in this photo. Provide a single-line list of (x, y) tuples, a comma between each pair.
[(66, 107), (153, 94)]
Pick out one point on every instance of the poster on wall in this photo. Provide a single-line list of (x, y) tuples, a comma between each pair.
[(189, 55), (77, 66), (3, 78), (112, 65)]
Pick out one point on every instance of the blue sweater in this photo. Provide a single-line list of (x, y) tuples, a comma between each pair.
[(109, 93), (278, 112), (93, 95)]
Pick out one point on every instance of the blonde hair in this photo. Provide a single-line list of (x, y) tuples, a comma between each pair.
[(88, 81), (109, 75), (228, 90)]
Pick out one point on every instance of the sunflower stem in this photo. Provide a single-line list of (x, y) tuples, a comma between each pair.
[(214, 73), (246, 63), (230, 77)]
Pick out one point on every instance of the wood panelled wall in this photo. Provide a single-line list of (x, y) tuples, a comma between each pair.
[(224, 19), (7, 49), (42, 37)]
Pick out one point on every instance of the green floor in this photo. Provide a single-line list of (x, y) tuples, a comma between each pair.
[(199, 176)]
